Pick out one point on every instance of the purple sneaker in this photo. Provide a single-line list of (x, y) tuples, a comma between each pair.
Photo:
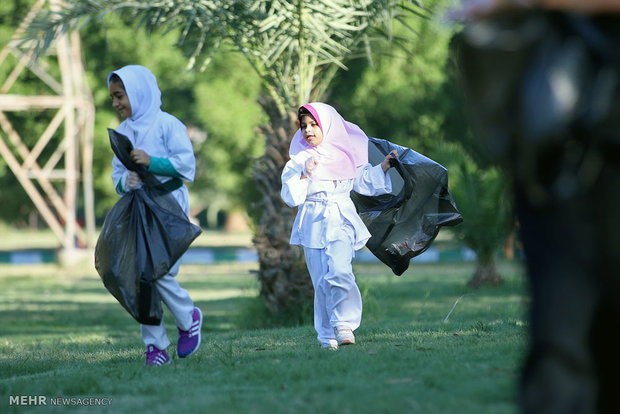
[(189, 341), (156, 357)]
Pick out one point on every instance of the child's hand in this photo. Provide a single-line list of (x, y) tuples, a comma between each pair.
[(140, 157), (311, 164), (132, 181), (386, 164)]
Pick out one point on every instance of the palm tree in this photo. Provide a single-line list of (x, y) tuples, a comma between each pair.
[(484, 200), (296, 47)]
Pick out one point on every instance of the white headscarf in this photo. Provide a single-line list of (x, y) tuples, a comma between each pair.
[(144, 96)]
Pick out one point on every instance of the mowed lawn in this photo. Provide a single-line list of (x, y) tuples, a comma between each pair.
[(427, 344)]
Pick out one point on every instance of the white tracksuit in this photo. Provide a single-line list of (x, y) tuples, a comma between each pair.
[(330, 230)]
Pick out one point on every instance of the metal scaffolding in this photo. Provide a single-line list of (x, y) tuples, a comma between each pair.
[(52, 182)]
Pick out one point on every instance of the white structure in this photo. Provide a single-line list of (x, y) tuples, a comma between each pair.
[(52, 181)]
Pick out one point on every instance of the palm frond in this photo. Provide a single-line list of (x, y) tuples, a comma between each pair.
[(275, 36)]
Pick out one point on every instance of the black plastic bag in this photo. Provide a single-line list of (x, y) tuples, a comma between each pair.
[(405, 223), (143, 236)]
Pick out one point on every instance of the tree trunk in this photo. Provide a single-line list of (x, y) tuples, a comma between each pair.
[(285, 282), (485, 274)]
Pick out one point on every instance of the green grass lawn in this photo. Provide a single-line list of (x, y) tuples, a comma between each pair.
[(63, 335), (18, 239)]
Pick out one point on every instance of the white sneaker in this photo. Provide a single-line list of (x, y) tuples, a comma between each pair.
[(345, 336), (331, 345)]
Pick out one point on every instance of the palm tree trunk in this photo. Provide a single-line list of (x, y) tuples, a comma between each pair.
[(285, 282), (485, 274)]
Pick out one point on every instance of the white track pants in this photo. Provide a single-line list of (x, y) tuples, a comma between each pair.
[(180, 304), (337, 299)]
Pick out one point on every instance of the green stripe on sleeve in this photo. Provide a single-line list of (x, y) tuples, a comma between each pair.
[(119, 186), (163, 166)]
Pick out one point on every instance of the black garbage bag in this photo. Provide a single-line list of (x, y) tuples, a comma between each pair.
[(405, 223), (144, 234)]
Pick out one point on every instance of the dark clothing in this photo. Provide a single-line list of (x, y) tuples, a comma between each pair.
[(573, 258), (544, 89)]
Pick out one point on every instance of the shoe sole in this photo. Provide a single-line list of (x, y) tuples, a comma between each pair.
[(168, 362), (347, 337), (199, 337)]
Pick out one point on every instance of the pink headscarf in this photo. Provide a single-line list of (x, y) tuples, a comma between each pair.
[(343, 149)]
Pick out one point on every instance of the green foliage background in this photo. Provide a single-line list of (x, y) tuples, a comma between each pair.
[(407, 94), (218, 105)]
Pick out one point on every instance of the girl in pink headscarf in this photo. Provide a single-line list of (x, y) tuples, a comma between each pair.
[(329, 158)]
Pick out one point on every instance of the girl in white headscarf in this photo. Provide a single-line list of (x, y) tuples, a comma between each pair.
[(161, 144), (329, 158)]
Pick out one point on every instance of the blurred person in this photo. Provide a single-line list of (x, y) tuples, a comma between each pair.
[(542, 80)]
